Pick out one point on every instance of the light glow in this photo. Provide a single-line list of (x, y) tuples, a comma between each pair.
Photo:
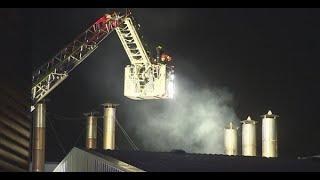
[(171, 89)]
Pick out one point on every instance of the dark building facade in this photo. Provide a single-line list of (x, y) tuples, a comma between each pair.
[(15, 131), (15, 119)]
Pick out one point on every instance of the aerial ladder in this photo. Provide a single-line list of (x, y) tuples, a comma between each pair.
[(146, 77)]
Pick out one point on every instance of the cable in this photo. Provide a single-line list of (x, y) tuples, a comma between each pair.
[(134, 146), (67, 118), (131, 143), (56, 136), (83, 130), (129, 138), (100, 134)]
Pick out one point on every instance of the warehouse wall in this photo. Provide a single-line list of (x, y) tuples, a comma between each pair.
[(15, 131), (15, 72)]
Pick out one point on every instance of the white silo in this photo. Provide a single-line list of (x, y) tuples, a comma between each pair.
[(231, 139), (109, 123), (269, 135), (249, 144)]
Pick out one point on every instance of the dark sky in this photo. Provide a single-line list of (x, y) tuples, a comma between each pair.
[(267, 59)]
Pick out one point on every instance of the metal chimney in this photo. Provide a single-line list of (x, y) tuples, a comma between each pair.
[(230, 139), (249, 145), (91, 134), (39, 127), (109, 122), (269, 135)]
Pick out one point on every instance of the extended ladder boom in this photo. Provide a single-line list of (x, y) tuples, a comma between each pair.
[(143, 79), (132, 43), (50, 75)]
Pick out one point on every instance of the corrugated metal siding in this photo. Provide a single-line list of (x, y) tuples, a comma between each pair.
[(81, 161), (15, 132), (15, 83)]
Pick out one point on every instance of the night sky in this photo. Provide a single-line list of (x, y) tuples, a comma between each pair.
[(266, 58)]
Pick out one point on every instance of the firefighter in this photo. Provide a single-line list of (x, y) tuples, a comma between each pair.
[(159, 52), (161, 56), (165, 58)]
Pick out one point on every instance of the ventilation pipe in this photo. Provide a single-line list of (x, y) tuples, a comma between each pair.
[(249, 144), (269, 135), (109, 122), (230, 139), (39, 128), (91, 134)]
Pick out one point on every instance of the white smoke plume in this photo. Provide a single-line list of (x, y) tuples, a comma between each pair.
[(194, 121)]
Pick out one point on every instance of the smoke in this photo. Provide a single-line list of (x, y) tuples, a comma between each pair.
[(194, 121)]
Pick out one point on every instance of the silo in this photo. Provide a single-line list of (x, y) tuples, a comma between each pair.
[(91, 133), (230, 139), (249, 145), (269, 135), (109, 122)]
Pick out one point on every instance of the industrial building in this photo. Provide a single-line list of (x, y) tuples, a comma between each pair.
[(15, 130), (109, 159), (82, 160), (148, 76), (15, 120)]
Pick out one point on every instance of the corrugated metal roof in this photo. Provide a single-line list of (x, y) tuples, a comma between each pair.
[(172, 161), (79, 160)]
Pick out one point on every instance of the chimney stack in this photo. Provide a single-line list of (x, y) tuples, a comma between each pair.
[(249, 144), (109, 121), (91, 134), (230, 139), (269, 135), (39, 135)]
